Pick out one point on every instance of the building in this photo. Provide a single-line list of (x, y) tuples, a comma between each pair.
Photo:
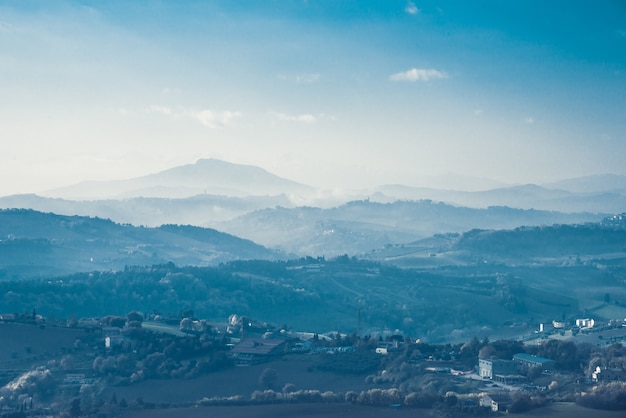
[(608, 374), (585, 323), (386, 347), (489, 368), (527, 361), (113, 338), (256, 350), (496, 402)]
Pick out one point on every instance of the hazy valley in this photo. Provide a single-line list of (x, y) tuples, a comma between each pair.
[(184, 279)]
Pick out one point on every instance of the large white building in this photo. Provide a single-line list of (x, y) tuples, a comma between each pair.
[(490, 368)]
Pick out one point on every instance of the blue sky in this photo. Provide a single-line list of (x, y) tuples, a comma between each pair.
[(335, 94)]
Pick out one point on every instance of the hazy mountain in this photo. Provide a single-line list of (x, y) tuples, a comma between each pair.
[(42, 244), (361, 226), (219, 179), (249, 202), (602, 183), (206, 176), (602, 199), (197, 210)]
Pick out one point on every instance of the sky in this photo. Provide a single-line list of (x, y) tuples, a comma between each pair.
[(334, 94)]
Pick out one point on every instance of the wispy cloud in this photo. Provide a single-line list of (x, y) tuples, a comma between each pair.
[(305, 78), (161, 110), (529, 120), (213, 119), (418, 74), (6, 27), (411, 8), (207, 117), (304, 118)]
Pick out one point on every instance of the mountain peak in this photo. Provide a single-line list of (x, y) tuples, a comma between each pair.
[(205, 176)]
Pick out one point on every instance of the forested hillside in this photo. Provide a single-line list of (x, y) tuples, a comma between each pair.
[(35, 244)]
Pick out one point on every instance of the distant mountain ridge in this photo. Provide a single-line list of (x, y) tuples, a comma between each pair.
[(361, 226), (211, 177), (249, 202), (206, 176), (527, 196)]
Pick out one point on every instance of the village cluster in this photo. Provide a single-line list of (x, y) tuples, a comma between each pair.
[(495, 375)]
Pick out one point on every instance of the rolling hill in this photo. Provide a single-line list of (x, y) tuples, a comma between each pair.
[(36, 244), (362, 226)]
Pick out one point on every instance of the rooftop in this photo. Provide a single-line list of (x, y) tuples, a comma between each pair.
[(257, 346), (531, 358)]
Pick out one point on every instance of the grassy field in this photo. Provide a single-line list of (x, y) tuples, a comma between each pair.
[(556, 410), (612, 311), (163, 329), (286, 410), (21, 343), (570, 410), (239, 381)]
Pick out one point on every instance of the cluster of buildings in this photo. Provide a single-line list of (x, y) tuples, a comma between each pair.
[(512, 371), (581, 323)]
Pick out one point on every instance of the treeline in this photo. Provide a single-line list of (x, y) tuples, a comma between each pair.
[(545, 241), (449, 405), (610, 395)]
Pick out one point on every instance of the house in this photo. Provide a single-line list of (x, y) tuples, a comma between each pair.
[(113, 338), (527, 361), (496, 402), (585, 323), (606, 374), (386, 347), (255, 350), (8, 317), (489, 368)]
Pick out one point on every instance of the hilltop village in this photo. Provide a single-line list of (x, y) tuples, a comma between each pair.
[(104, 366)]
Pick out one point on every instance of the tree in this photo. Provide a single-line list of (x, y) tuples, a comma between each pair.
[(268, 378), (133, 316), (520, 403), (75, 410)]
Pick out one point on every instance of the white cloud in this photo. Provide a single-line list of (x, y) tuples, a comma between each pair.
[(207, 117), (304, 118), (529, 120), (411, 8), (418, 74), (305, 78), (213, 119), (161, 110)]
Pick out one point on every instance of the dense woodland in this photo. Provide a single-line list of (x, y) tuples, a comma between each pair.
[(342, 294)]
